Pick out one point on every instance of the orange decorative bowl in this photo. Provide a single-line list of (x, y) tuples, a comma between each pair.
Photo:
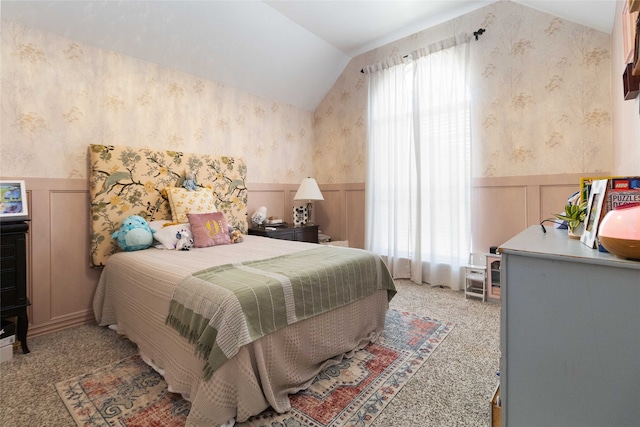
[(619, 231)]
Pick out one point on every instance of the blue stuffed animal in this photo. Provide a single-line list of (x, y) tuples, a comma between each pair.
[(134, 234)]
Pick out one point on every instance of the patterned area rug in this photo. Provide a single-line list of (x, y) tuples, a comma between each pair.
[(130, 393)]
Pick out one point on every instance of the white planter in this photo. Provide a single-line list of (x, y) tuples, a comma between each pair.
[(576, 232)]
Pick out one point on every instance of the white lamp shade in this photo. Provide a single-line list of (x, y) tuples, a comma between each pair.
[(308, 190)]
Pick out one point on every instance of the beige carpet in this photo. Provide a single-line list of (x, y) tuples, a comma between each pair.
[(453, 388), (353, 392)]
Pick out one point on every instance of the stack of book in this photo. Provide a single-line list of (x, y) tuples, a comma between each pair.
[(623, 191), (275, 222), (7, 338)]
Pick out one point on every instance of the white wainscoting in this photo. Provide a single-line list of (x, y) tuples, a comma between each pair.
[(503, 207), (340, 215), (61, 283)]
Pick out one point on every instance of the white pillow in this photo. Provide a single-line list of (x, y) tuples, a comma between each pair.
[(166, 235)]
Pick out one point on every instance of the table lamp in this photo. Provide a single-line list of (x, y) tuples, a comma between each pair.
[(308, 191), (619, 231)]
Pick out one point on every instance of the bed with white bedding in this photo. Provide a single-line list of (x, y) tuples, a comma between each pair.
[(137, 289)]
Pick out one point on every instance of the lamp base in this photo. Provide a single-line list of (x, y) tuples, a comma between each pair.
[(309, 217)]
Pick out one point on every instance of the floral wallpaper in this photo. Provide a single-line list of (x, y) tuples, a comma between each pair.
[(59, 96), (541, 90)]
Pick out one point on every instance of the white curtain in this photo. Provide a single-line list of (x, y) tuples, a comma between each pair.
[(418, 188)]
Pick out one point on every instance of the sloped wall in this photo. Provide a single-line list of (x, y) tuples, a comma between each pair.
[(59, 96), (541, 97)]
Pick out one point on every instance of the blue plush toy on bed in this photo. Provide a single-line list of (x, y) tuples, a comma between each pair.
[(134, 234)]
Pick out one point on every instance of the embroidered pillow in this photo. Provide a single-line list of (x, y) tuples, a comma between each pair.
[(209, 229), (183, 201)]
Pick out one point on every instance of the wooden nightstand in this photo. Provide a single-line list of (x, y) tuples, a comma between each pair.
[(304, 233)]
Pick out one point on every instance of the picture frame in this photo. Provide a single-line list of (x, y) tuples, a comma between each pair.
[(636, 49), (629, 19), (13, 201), (300, 216), (587, 181), (597, 197)]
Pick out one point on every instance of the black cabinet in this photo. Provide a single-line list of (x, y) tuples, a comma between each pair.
[(304, 233), (13, 276)]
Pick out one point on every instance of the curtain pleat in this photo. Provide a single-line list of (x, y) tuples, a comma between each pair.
[(418, 188)]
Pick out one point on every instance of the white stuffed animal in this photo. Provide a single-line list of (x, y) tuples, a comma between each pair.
[(259, 216), (185, 240)]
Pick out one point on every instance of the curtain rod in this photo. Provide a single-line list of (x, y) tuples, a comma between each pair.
[(476, 34)]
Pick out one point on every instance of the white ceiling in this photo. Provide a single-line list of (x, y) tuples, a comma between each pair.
[(290, 51)]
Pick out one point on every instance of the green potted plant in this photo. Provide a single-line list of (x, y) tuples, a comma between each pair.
[(575, 215)]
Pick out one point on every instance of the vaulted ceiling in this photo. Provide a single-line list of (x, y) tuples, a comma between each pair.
[(290, 51)]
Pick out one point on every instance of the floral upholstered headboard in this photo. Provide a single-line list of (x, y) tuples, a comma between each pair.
[(126, 181)]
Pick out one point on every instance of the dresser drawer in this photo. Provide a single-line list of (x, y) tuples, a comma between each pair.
[(7, 263), (7, 278), (13, 277), (8, 297), (13, 266), (8, 246)]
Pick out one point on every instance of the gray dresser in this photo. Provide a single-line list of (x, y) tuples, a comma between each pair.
[(570, 334)]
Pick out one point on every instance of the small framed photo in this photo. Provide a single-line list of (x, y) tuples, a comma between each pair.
[(597, 197), (13, 201), (300, 216)]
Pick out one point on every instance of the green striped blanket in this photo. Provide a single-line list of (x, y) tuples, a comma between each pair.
[(222, 308)]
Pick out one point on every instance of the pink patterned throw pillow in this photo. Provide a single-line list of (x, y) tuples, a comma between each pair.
[(209, 229)]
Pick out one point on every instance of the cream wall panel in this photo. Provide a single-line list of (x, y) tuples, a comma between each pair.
[(60, 282), (331, 214), (499, 212), (503, 207), (328, 212), (73, 281), (553, 198), (39, 277), (341, 213), (354, 216), (277, 198)]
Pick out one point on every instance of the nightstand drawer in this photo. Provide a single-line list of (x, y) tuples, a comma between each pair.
[(286, 235), (305, 233)]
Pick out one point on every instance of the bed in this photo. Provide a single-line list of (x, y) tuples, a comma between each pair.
[(137, 290)]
